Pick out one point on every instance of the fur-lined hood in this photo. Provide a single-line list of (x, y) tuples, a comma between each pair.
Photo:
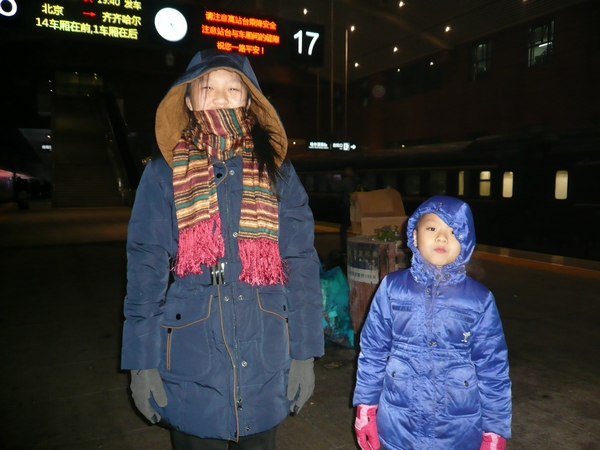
[(172, 115)]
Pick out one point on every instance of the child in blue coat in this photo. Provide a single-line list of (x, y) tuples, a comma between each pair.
[(433, 365)]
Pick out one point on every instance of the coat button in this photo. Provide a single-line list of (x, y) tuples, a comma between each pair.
[(178, 316), (226, 298), (235, 234), (247, 428), (428, 290), (232, 172), (466, 383), (432, 344), (240, 297), (244, 363)]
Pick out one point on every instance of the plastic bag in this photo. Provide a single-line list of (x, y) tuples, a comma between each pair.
[(337, 323)]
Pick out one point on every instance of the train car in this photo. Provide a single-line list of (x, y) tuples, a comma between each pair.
[(531, 192)]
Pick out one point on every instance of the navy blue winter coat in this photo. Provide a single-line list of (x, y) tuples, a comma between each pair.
[(223, 350), (432, 351)]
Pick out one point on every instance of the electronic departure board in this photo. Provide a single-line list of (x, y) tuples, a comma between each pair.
[(114, 19), (262, 36), (160, 22)]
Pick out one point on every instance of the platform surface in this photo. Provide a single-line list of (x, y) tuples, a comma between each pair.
[(63, 279)]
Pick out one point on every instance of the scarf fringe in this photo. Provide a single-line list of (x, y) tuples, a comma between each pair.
[(200, 243), (261, 262)]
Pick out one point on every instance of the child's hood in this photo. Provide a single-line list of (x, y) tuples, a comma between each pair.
[(172, 116), (457, 215)]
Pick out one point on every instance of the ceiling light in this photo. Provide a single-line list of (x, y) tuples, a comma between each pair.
[(447, 29), (395, 49), (401, 4), (352, 27), (431, 63), (305, 11), (356, 64)]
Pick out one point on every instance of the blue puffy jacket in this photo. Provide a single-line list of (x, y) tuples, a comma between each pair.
[(433, 354)]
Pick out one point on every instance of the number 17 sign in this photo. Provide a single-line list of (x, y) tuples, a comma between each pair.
[(308, 43)]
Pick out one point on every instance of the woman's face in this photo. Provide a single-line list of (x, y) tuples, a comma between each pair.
[(219, 89)]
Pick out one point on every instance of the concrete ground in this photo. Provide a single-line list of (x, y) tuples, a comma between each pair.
[(62, 274)]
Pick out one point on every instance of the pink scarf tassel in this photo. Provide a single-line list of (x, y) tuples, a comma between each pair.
[(261, 262), (201, 243)]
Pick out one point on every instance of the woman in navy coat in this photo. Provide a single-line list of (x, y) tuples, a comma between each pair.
[(223, 308)]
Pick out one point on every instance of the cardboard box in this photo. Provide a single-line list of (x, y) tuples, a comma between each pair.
[(376, 209)]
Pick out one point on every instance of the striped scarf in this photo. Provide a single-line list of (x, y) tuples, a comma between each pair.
[(221, 134)]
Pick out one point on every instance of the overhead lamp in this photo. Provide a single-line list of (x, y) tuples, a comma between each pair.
[(447, 29), (401, 4), (395, 49)]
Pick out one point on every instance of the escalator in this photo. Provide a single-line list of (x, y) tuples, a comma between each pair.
[(93, 165)]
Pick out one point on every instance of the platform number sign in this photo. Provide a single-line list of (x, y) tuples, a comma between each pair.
[(313, 35), (308, 43)]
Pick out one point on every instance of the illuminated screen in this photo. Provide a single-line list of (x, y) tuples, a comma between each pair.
[(260, 36), (242, 34), (116, 19)]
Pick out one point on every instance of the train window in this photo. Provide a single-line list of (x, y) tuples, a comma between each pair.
[(485, 183), (412, 183), (322, 183), (585, 184), (461, 183), (390, 179), (437, 182), (561, 184), (369, 180), (507, 185), (309, 183)]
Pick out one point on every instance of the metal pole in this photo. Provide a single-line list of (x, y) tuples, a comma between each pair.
[(346, 89), (318, 104), (331, 76)]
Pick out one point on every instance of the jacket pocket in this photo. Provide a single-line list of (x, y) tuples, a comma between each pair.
[(275, 338), (405, 317), (186, 347), (398, 383), (462, 391)]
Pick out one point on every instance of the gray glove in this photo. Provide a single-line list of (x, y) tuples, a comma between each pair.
[(301, 383), (143, 384)]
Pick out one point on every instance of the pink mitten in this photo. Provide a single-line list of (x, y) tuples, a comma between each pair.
[(365, 426), (492, 441)]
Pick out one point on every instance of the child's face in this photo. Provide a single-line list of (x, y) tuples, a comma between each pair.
[(436, 241), (217, 90)]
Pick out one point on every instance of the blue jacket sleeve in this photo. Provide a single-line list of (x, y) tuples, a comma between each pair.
[(375, 348), (490, 357), (149, 251), (296, 245)]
